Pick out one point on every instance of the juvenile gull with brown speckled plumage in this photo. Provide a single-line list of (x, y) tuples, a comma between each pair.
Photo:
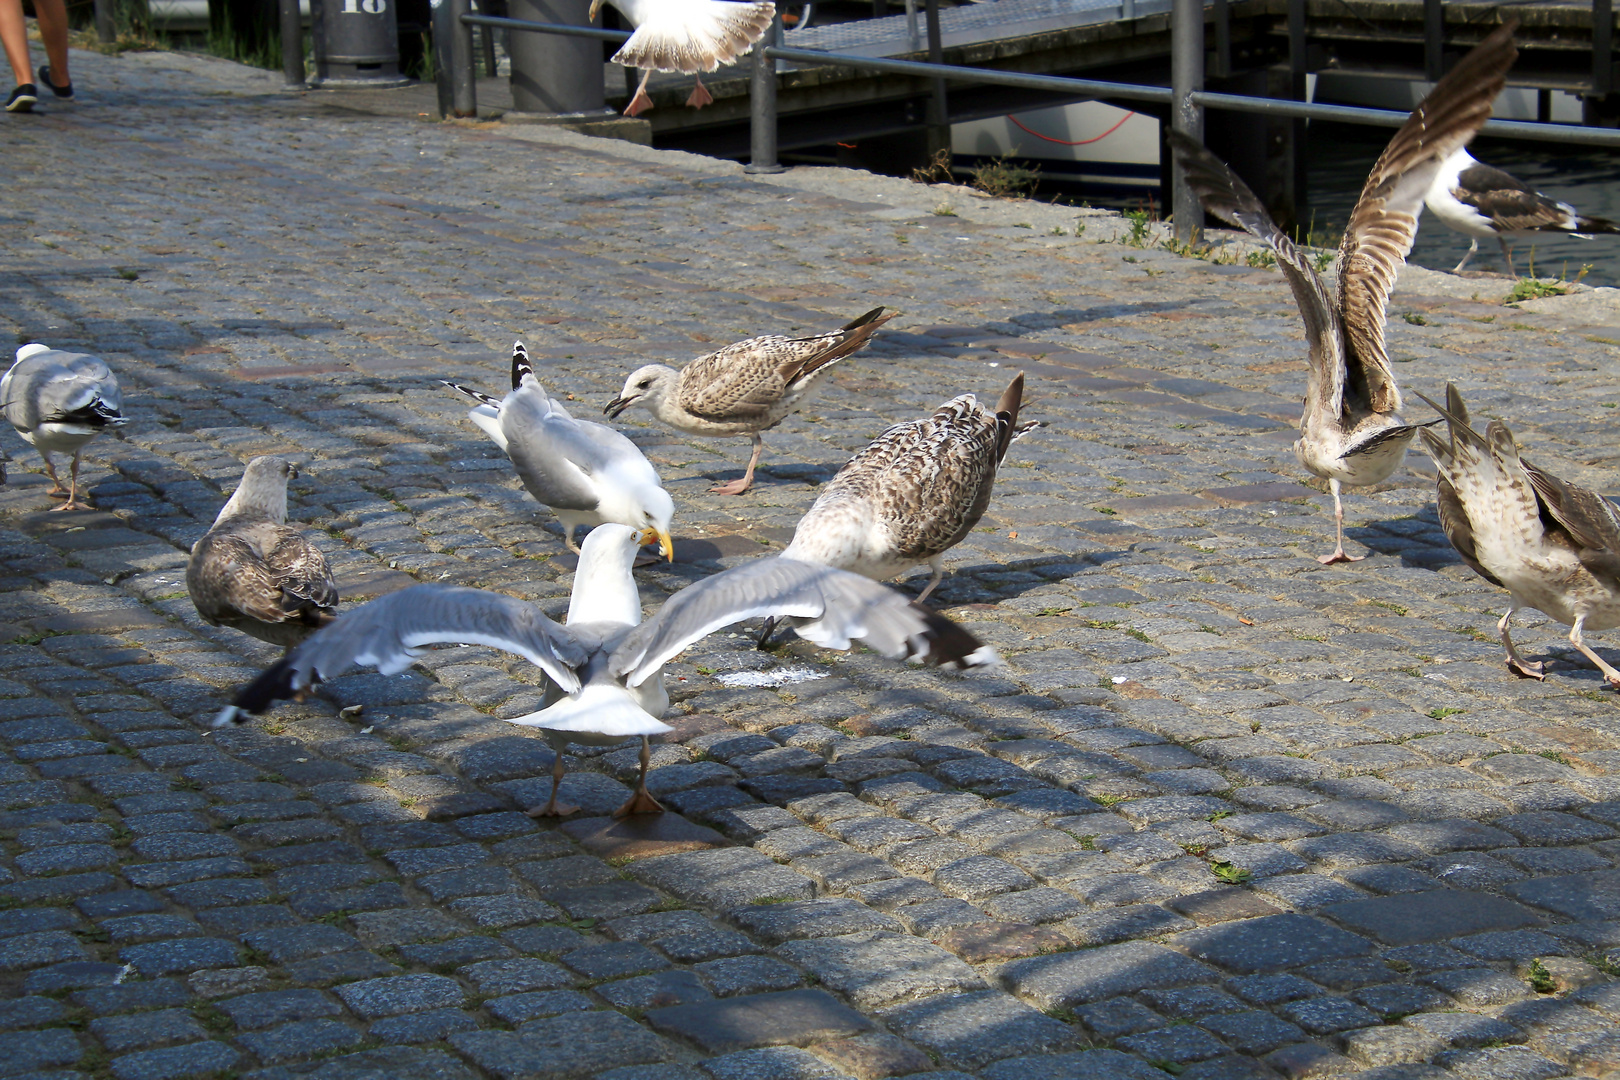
[(1552, 545), (1351, 431), (254, 572), (745, 388)]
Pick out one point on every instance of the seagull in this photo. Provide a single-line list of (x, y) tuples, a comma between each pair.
[(913, 494), (58, 401), (745, 388), (605, 666), (688, 36), (1553, 546), (254, 572), (587, 473), (1351, 431), (1480, 201)]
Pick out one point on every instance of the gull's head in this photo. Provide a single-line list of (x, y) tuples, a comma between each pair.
[(33, 348), (646, 385), (604, 590), (263, 490), (657, 509)]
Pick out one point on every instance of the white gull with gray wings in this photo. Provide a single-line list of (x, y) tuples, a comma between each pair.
[(58, 401), (587, 473), (605, 667), (1351, 431)]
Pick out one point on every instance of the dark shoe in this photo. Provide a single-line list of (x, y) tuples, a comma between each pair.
[(65, 91), (22, 99)]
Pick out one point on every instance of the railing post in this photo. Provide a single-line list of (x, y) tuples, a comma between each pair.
[(463, 79), (292, 46), (443, 80), (1186, 77), (1434, 40), (762, 105), (1602, 47), (106, 25), (939, 113)]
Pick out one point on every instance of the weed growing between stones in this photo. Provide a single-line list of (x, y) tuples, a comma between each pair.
[(1534, 288)]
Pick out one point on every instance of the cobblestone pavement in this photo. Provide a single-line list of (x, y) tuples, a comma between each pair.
[(1225, 814)]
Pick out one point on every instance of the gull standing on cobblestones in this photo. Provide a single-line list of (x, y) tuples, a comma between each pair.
[(254, 572), (686, 36), (58, 401), (913, 494), (1351, 431), (745, 388), (1480, 202), (605, 666), (1553, 546), (587, 473)]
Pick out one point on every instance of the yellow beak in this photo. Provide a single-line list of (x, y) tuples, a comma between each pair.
[(665, 544), (596, 9)]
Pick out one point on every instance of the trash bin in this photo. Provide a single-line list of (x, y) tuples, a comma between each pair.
[(551, 73), (356, 43)]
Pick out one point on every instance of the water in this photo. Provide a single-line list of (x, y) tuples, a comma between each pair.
[(1342, 155)]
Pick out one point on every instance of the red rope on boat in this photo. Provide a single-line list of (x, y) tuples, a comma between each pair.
[(1080, 142)]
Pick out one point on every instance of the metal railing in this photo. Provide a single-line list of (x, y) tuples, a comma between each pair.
[(1186, 97)]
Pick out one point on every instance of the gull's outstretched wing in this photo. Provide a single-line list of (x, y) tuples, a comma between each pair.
[(835, 606), (389, 633)]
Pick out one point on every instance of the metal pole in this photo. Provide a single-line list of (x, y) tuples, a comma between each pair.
[(463, 80), (1434, 40), (1602, 47), (443, 28), (292, 46), (762, 106), (106, 25), (1186, 116), (939, 113)]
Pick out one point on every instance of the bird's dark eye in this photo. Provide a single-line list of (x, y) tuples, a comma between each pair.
[(643, 384)]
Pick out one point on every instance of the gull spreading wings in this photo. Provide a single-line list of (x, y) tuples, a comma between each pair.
[(587, 473), (1351, 431), (688, 36), (605, 666), (58, 401)]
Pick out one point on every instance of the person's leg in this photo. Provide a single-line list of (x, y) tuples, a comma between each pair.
[(14, 35), (53, 28)]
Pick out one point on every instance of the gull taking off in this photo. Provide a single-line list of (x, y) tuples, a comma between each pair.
[(686, 36), (58, 401), (1351, 431), (745, 388), (1553, 546), (254, 572), (605, 667), (587, 473), (1481, 202)]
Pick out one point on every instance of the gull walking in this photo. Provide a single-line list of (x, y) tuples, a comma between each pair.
[(1552, 545), (913, 494), (686, 36), (587, 473), (58, 401), (254, 572), (745, 388), (1480, 202), (605, 666), (1351, 432)]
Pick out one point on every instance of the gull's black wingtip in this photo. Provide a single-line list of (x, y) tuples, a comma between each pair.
[(951, 646), (273, 685)]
